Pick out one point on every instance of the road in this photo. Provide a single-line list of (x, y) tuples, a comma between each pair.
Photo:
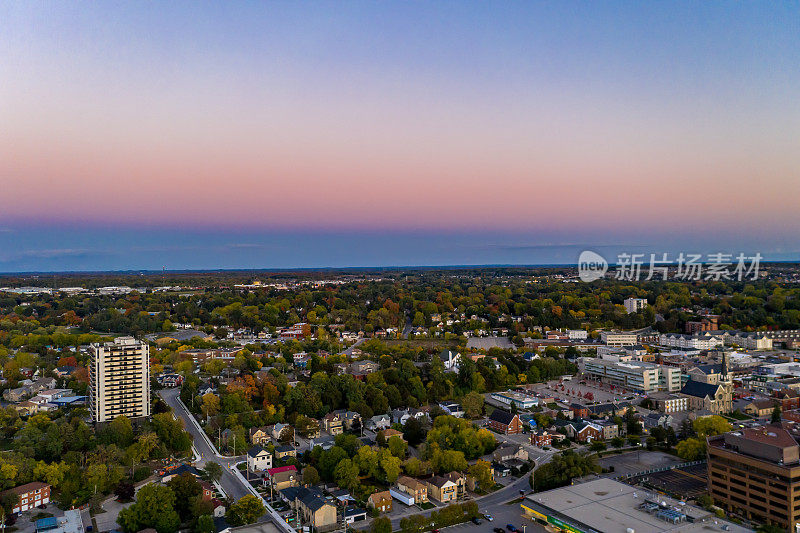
[(349, 351), (230, 483)]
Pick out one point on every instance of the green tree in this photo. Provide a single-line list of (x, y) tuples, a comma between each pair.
[(473, 404), (482, 472), (186, 489), (204, 524), (310, 475), (691, 449), (246, 511), (708, 426), (213, 471), (776, 414), (382, 524), (154, 507), (346, 474)]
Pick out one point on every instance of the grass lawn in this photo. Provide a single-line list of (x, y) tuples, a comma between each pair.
[(426, 505)]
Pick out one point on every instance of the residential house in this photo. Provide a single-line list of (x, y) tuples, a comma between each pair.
[(354, 514), (260, 435), (333, 423), (258, 459), (316, 511), (207, 493), (452, 409), (442, 489), (64, 371), (450, 359), (507, 452), (760, 408), (581, 411), (541, 438), (460, 480), (364, 367), (587, 431), (29, 496), (505, 422), (378, 422), (391, 432), (653, 420), (414, 488), (284, 451), (381, 501), (281, 477), (16, 395), (179, 470), (280, 432), (610, 429)]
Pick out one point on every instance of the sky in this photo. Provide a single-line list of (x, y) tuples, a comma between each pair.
[(194, 135)]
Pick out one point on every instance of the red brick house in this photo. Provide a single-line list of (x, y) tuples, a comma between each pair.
[(541, 439), (589, 432), (579, 411), (505, 422), (30, 496)]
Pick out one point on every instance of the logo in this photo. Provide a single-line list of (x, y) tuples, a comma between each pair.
[(591, 266)]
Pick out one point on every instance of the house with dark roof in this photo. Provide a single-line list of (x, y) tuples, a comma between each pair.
[(450, 359), (258, 459), (505, 422)]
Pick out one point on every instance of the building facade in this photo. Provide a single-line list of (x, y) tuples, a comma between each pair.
[(633, 375), (755, 472), (119, 379)]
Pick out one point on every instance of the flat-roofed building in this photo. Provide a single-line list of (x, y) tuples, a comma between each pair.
[(756, 472), (634, 375), (119, 379)]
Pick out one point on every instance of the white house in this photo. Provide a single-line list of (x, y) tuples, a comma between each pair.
[(258, 459)]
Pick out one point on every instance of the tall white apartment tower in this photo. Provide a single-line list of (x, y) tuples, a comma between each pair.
[(119, 379), (635, 304)]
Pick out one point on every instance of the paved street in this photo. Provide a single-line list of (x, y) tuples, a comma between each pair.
[(229, 481)]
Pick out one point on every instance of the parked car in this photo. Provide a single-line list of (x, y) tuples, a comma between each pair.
[(488, 517), (511, 528), (499, 530), (477, 521)]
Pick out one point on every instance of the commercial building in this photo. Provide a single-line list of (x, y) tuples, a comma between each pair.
[(619, 338), (633, 305), (605, 505), (119, 379), (521, 401), (699, 341), (756, 472), (633, 375)]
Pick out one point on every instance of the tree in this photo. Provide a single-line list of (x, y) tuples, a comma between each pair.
[(414, 431), (691, 449), (213, 471), (186, 489), (382, 524), (398, 447), (482, 472), (708, 426), (210, 405), (125, 491), (346, 474), (154, 507), (473, 404), (246, 511), (563, 468), (205, 524), (310, 475), (776, 414)]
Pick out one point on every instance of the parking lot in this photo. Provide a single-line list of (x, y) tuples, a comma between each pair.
[(575, 391), (503, 514), (638, 461), (687, 483)]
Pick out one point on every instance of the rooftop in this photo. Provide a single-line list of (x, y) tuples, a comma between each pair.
[(608, 506)]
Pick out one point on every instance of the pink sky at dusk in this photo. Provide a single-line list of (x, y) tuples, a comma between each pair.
[(520, 131)]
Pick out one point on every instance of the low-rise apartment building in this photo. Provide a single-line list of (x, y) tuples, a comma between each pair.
[(634, 375)]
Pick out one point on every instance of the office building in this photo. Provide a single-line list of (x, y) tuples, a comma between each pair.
[(119, 379), (755, 472), (634, 375), (619, 338)]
